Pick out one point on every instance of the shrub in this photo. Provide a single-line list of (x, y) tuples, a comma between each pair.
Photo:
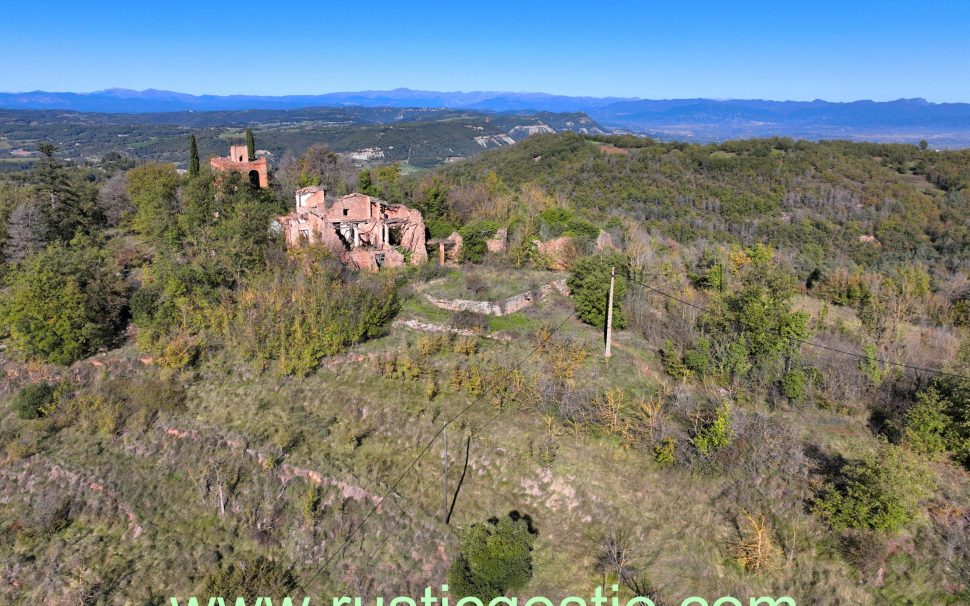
[(311, 504), (474, 235), (466, 345), (699, 359), (865, 550), (33, 400), (259, 577), (716, 433), (433, 344), (64, 303), (792, 384), (469, 320), (925, 424), (439, 228), (496, 557), (671, 360), (961, 313), (589, 285), (174, 299), (562, 355), (755, 550), (881, 491), (290, 320), (664, 452), (476, 284), (563, 222), (96, 412), (949, 394)]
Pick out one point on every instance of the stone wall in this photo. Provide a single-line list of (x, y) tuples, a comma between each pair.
[(501, 308)]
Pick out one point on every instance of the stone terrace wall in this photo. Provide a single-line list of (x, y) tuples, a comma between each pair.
[(501, 308)]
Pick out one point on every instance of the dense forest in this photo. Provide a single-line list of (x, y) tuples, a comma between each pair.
[(190, 407)]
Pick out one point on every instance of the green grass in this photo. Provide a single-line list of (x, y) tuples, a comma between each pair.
[(497, 283), (517, 322)]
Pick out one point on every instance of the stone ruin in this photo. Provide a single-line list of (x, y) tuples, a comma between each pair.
[(238, 160), (365, 232)]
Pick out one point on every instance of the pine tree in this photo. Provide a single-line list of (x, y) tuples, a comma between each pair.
[(194, 156), (49, 172), (250, 144), (73, 201)]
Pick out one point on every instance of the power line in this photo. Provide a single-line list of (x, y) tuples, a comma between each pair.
[(425, 449), (812, 343)]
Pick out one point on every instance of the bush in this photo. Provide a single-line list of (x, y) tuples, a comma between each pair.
[(925, 424), (699, 358), (174, 305), (466, 345), (433, 344), (474, 235), (590, 288), (439, 228), (288, 321), (558, 222), (949, 395), (879, 492), (665, 451), (33, 400), (672, 361), (792, 384), (961, 313), (260, 577), (496, 557), (65, 303), (716, 433), (470, 320)]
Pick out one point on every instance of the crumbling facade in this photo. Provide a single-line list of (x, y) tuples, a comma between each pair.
[(366, 232), (238, 160)]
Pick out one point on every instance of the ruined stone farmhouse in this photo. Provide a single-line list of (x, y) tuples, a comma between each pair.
[(366, 232), (238, 160)]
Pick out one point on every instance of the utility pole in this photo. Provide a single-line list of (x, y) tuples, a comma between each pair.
[(446, 495), (609, 316)]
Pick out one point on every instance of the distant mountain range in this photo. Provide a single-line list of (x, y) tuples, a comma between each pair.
[(903, 120), (151, 100)]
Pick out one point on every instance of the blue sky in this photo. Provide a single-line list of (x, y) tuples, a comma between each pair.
[(837, 51)]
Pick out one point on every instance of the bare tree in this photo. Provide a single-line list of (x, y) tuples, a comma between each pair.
[(113, 199), (24, 232)]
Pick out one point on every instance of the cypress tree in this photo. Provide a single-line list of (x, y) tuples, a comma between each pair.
[(193, 156), (250, 144)]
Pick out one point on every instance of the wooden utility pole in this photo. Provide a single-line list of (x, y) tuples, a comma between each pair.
[(609, 316), (444, 513)]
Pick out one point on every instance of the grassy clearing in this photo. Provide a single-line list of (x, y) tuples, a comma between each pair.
[(483, 283)]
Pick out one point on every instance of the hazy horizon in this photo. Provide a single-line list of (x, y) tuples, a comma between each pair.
[(707, 50), (472, 92)]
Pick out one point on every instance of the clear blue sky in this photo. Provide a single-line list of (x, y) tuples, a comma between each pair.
[(781, 49)]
